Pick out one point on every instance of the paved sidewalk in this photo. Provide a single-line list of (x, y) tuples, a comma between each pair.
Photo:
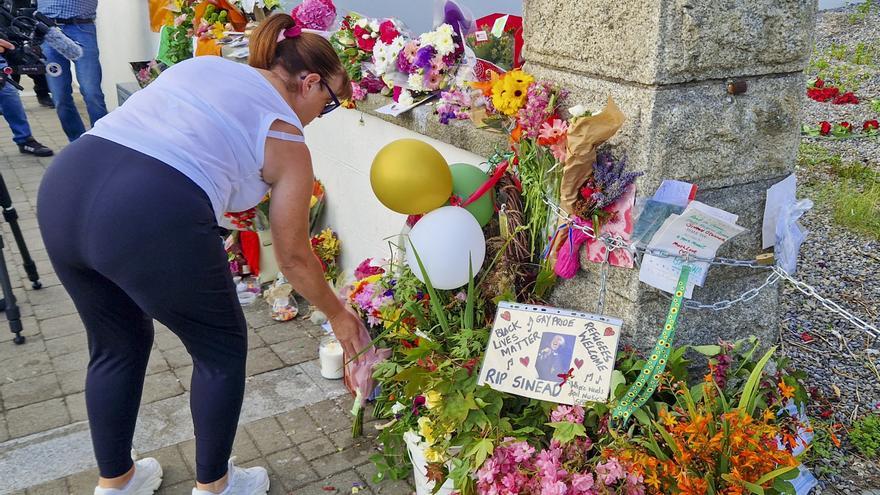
[(294, 422)]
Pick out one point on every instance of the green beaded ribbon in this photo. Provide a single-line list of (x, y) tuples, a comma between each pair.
[(649, 378)]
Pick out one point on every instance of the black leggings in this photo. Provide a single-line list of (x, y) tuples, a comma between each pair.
[(133, 239)]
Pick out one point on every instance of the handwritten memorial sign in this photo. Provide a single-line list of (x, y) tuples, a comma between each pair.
[(551, 354)]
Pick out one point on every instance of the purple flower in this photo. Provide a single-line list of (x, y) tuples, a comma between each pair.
[(403, 64), (611, 179), (418, 403), (423, 57)]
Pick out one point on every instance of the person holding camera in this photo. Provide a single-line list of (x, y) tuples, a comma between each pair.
[(76, 19), (13, 112)]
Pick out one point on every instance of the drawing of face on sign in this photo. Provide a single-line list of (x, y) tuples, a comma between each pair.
[(554, 355)]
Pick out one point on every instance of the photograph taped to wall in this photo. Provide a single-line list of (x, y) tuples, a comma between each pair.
[(551, 354)]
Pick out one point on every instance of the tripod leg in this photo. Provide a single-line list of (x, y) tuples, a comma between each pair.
[(11, 217), (12, 312)]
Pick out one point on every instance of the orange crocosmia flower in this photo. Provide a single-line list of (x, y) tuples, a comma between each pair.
[(516, 134), (786, 390)]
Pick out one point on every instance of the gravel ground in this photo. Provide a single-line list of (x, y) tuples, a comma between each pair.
[(841, 361)]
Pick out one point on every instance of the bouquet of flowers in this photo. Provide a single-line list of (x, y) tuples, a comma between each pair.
[(326, 247), (608, 183), (176, 40), (419, 65), (354, 42), (372, 294), (147, 72)]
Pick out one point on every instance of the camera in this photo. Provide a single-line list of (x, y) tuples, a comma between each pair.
[(26, 30)]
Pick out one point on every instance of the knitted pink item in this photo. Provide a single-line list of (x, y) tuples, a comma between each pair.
[(568, 258)]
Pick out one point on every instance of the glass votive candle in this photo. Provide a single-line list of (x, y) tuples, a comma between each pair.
[(331, 357)]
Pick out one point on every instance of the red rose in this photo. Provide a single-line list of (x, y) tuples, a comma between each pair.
[(846, 125), (845, 98), (870, 125), (824, 128), (587, 192), (819, 83), (387, 32)]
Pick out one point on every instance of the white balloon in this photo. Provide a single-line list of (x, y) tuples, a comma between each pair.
[(443, 239)]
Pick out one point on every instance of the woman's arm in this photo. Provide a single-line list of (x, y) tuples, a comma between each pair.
[(288, 169)]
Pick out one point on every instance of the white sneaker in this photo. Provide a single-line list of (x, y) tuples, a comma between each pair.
[(146, 480), (250, 481)]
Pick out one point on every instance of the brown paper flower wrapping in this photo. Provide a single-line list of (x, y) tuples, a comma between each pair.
[(584, 136)]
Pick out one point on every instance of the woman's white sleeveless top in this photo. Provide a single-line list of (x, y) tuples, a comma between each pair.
[(208, 118)]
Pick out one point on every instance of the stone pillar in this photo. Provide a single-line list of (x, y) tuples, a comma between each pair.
[(667, 64)]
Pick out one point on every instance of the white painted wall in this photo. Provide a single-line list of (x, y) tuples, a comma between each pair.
[(124, 36), (342, 151)]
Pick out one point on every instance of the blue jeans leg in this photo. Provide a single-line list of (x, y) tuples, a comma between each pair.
[(88, 76), (13, 112)]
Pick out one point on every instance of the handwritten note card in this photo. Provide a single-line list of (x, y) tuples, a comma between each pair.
[(551, 354), (699, 231)]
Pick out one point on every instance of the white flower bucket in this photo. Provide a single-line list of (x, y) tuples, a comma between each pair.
[(420, 467)]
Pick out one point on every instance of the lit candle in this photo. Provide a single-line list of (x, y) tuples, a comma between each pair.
[(330, 353)]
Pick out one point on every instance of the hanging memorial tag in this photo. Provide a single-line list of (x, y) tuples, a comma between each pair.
[(551, 354)]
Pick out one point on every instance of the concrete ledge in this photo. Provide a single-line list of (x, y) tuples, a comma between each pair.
[(422, 119)]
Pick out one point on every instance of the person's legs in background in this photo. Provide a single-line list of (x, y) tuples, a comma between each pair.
[(13, 112), (61, 88), (41, 88), (88, 69)]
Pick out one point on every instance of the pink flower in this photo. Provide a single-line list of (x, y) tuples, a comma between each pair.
[(521, 451), (552, 132), (571, 414), (315, 14), (358, 93), (433, 81), (560, 149), (554, 488), (366, 269), (634, 485), (410, 50), (581, 483), (610, 472)]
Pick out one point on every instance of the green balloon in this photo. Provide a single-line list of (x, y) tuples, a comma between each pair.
[(465, 180)]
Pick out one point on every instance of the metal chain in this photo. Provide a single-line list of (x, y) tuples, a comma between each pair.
[(613, 242)]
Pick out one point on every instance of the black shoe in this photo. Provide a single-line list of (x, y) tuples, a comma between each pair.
[(33, 147), (46, 101)]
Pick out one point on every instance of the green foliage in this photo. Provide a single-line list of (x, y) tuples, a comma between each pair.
[(865, 435), (838, 52), (812, 155), (856, 206), (875, 105), (862, 11)]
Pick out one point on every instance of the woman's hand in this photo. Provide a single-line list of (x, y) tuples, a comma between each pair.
[(350, 332), (5, 45)]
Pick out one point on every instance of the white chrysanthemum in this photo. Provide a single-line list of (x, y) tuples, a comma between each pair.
[(374, 26), (362, 22), (445, 29), (406, 98), (444, 45), (429, 38), (416, 82)]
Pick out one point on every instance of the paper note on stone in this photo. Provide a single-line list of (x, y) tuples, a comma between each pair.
[(675, 192), (551, 354), (780, 194), (397, 109), (699, 231)]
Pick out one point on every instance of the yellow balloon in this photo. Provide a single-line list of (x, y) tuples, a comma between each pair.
[(410, 176)]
